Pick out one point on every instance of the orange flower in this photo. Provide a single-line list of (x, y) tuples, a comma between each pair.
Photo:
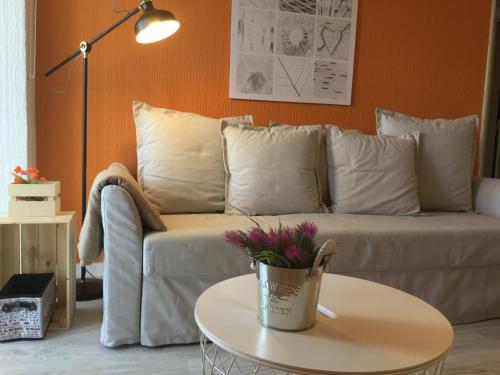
[(32, 170), (33, 173), (32, 176), (18, 169)]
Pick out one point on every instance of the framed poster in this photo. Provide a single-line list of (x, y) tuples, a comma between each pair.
[(293, 50)]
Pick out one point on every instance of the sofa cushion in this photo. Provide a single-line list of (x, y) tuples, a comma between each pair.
[(194, 245), (179, 159), (271, 171), (322, 165), (372, 174), (445, 160)]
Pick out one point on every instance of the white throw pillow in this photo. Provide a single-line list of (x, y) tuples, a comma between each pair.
[(179, 159), (370, 174), (271, 171), (322, 165), (445, 160)]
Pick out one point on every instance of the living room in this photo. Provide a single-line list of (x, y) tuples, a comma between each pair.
[(250, 186)]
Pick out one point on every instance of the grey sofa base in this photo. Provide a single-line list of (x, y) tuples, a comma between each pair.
[(457, 292), (150, 288), (171, 323)]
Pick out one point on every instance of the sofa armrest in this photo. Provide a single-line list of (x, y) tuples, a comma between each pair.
[(118, 174), (91, 236), (486, 196), (123, 239)]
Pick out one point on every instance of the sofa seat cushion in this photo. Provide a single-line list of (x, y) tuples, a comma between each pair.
[(194, 244)]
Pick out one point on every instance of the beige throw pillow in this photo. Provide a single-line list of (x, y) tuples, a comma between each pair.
[(371, 174), (322, 165), (445, 161), (271, 171), (179, 158)]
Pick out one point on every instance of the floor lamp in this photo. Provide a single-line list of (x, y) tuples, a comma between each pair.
[(153, 25)]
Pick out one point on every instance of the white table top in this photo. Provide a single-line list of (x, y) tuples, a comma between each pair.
[(378, 329)]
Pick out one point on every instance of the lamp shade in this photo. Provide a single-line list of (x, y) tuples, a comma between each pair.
[(154, 24)]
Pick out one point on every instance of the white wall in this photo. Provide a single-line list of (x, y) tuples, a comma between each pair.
[(17, 134)]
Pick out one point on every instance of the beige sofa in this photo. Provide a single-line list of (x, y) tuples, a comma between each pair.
[(192, 164), (152, 279)]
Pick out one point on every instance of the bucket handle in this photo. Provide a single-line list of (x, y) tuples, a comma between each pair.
[(325, 253)]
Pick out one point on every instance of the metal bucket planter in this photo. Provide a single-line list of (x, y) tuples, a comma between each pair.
[(288, 298)]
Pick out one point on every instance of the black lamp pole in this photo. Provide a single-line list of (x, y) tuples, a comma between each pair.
[(87, 290), (84, 50), (151, 19)]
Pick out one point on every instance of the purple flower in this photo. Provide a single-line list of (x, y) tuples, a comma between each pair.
[(307, 229), (293, 253), (282, 246), (280, 239), (272, 238), (258, 236), (286, 238), (236, 238)]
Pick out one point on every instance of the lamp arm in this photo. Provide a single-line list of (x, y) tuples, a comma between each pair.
[(98, 37)]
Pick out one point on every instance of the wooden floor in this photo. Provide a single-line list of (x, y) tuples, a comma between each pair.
[(476, 351)]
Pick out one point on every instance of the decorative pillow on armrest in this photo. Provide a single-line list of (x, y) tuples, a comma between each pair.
[(271, 171), (179, 156), (445, 157), (371, 174)]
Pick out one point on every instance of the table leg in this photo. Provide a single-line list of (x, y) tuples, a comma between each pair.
[(203, 343), (215, 360)]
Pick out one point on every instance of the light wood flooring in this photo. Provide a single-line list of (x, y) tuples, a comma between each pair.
[(476, 351)]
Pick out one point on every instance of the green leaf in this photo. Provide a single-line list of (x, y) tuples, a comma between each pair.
[(272, 259)]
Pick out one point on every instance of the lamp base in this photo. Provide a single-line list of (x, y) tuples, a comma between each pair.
[(88, 289)]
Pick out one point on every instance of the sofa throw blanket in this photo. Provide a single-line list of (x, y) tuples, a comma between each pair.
[(91, 235)]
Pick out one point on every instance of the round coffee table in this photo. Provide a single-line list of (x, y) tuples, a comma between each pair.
[(377, 330)]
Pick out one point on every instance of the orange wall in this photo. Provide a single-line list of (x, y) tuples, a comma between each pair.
[(422, 57)]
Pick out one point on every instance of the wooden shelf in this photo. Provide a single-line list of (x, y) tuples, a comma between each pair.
[(39, 245), (59, 321), (62, 218)]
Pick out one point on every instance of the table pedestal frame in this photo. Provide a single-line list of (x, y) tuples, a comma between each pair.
[(218, 361)]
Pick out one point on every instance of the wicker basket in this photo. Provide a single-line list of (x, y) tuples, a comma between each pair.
[(27, 305)]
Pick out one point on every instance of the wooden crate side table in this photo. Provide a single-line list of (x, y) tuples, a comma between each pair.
[(42, 244)]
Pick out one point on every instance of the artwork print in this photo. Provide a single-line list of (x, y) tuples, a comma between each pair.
[(293, 50)]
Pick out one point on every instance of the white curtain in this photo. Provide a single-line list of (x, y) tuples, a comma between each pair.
[(17, 104)]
